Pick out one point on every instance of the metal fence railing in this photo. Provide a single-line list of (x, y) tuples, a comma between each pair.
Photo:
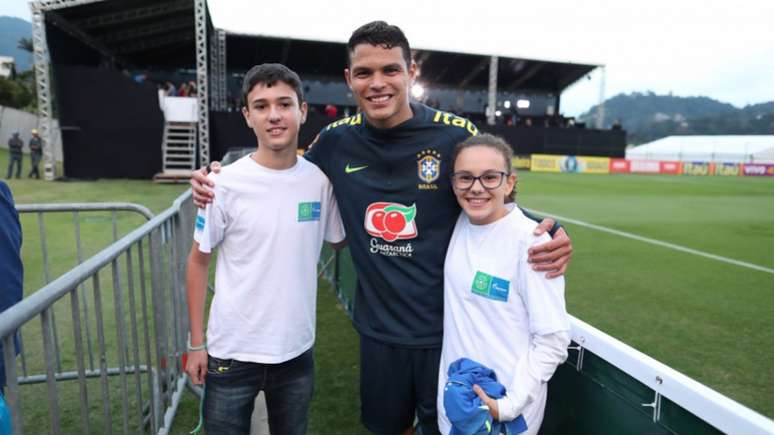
[(101, 344)]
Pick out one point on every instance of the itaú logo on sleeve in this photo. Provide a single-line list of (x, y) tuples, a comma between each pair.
[(391, 221)]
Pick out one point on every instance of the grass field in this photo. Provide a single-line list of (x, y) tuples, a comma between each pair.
[(704, 318), (710, 320)]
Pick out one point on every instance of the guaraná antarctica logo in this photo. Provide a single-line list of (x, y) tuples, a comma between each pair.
[(391, 221)]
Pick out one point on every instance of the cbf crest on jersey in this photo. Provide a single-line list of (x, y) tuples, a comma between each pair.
[(428, 169)]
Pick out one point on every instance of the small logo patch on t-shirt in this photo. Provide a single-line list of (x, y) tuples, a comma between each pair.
[(200, 222), (491, 287), (308, 211)]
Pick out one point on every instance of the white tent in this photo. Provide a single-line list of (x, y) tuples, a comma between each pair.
[(731, 149)]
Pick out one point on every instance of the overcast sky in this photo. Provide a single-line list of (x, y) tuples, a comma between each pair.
[(720, 49)]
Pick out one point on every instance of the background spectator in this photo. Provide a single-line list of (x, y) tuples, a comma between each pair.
[(15, 145), (36, 153)]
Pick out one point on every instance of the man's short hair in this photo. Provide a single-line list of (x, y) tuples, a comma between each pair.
[(269, 74), (379, 33)]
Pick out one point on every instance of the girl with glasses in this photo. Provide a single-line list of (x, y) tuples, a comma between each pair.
[(498, 311)]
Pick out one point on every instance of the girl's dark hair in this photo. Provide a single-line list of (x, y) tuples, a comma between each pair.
[(491, 141)]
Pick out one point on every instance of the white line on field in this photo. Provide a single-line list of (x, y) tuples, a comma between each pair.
[(657, 242)]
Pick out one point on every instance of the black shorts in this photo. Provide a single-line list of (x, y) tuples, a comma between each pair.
[(397, 384)]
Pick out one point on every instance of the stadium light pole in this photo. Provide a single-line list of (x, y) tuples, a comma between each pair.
[(601, 105), (492, 102)]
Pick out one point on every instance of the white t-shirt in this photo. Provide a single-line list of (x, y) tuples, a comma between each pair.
[(268, 226), (494, 303)]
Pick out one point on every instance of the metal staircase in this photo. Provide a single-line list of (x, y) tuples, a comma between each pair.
[(178, 151)]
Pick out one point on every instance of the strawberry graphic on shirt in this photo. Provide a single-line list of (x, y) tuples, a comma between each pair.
[(391, 221)]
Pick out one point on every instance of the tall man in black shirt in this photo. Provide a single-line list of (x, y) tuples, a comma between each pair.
[(389, 169)]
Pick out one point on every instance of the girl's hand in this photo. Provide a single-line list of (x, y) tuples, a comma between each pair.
[(488, 401)]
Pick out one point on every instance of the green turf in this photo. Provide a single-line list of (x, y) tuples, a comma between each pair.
[(704, 318), (710, 320)]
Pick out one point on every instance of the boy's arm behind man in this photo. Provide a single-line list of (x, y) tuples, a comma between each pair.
[(196, 285)]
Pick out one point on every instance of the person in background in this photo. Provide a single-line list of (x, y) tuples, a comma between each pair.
[(15, 145), (36, 153), (170, 89)]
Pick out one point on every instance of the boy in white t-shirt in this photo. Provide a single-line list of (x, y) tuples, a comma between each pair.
[(268, 221)]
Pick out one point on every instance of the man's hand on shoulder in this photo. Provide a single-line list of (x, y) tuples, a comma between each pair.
[(554, 255), (202, 185)]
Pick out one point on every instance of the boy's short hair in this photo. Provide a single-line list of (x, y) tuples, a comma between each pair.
[(379, 33), (269, 74)]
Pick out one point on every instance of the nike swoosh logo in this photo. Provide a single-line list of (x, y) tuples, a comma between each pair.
[(350, 170)]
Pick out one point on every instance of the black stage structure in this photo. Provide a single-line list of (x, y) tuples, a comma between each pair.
[(112, 124)]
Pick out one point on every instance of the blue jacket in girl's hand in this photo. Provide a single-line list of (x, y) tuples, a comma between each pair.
[(465, 410)]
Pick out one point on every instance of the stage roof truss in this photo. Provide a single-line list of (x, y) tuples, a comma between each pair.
[(147, 30), (159, 41), (141, 13), (74, 30)]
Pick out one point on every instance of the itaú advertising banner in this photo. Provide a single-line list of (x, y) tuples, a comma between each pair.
[(619, 166), (587, 165), (669, 167), (698, 168), (645, 166), (546, 163), (728, 169), (594, 165), (521, 162), (757, 169)]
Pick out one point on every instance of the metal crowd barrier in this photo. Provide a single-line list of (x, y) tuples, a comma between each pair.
[(125, 321)]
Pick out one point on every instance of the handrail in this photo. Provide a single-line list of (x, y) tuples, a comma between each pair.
[(15, 316), (85, 206), (716, 409)]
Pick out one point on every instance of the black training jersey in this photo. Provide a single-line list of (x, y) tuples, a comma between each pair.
[(399, 211)]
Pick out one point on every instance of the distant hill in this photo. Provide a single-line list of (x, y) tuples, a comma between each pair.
[(647, 116), (11, 30)]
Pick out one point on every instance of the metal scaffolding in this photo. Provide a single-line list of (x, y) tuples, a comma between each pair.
[(42, 75), (222, 70), (218, 70), (200, 14)]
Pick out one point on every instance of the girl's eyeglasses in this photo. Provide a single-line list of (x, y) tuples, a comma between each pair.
[(464, 180)]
